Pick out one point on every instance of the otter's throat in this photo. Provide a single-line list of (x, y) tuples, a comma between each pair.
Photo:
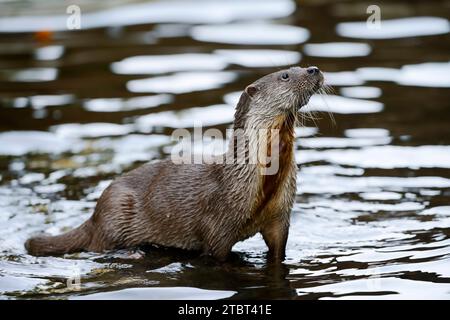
[(272, 184)]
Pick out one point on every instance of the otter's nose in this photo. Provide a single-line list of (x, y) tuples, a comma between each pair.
[(313, 70)]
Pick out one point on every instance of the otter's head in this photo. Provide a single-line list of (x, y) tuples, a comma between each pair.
[(278, 93)]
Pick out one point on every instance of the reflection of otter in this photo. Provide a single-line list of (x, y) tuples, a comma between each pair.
[(206, 207), (238, 273)]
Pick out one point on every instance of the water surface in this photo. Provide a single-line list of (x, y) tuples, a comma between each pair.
[(77, 108)]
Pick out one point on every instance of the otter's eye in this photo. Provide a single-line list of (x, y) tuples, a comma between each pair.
[(285, 76)]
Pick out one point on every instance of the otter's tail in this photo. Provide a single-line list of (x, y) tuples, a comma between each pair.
[(73, 241)]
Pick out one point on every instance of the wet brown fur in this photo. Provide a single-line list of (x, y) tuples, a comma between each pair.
[(207, 207)]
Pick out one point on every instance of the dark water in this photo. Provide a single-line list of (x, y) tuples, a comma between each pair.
[(77, 108)]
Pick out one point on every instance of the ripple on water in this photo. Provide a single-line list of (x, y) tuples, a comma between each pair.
[(383, 195), (131, 148), (90, 130), (119, 104), (395, 28), (48, 53), (343, 78), (169, 63), (255, 34), (182, 82), (187, 11), (200, 148), (370, 220), (338, 104), (366, 133), (389, 287), (411, 75), (361, 92), (441, 210), (337, 49), (23, 274), (30, 75), (342, 142), (187, 118), (384, 157), (155, 293), (10, 284), (24, 142), (318, 181), (43, 101), (254, 58)]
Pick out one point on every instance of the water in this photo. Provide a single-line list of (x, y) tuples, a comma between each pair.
[(372, 212)]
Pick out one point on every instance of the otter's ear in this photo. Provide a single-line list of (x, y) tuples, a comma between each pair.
[(251, 90)]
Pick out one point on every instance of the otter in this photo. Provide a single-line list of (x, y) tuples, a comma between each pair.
[(205, 207)]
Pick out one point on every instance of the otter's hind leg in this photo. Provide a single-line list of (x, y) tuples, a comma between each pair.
[(116, 220), (219, 245)]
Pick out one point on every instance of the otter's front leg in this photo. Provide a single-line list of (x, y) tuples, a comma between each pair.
[(275, 234)]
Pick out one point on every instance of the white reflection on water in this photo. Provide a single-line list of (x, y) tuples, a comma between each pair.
[(200, 148), (361, 92), (23, 142), (159, 293), (33, 273), (386, 195), (182, 82), (366, 133), (316, 181), (338, 104), (33, 75), (11, 283), (429, 74), (395, 28), (397, 288), (48, 189), (251, 34), (337, 49), (335, 142), (49, 52), (343, 78), (90, 130), (361, 206), (232, 98), (31, 177), (385, 157), (187, 118), (305, 131), (170, 30), (131, 148), (119, 104), (219, 60), (253, 58), (331, 170), (42, 101), (441, 210), (187, 11), (169, 63)]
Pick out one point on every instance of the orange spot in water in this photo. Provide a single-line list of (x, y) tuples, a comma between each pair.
[(43, 36)]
